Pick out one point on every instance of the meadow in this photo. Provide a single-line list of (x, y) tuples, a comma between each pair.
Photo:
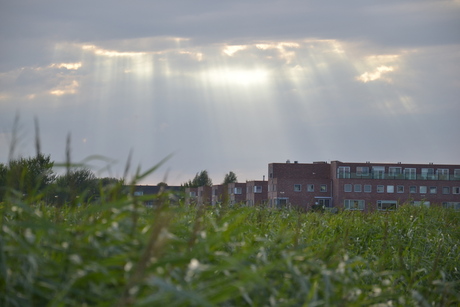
[(121, 253)]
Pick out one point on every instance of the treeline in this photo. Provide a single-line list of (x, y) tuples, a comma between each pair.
[(202, 179), (34, 178)]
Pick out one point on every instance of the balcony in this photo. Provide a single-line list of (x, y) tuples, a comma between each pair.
[(397, 176)]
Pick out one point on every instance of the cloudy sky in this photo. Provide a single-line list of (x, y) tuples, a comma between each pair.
[(231, 85)]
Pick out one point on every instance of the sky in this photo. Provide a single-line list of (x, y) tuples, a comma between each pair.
[(229, 85)]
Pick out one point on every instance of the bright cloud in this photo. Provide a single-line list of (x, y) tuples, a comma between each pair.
[(376, 74)]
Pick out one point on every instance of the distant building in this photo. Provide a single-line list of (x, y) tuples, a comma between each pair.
[(256, 193), (174, 193), (363, 186)]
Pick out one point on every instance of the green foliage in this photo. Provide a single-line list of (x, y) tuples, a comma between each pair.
[(26, 176), (230, 178), (200, 179), (120, 253)]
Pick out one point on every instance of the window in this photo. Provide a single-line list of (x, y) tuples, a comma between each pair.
[(297, 187), (422, 189), (353, 204), (310, 188), (412, 189), (390, 188), (380, 189), (451, 205), (455, 190), (138, 193), (323, 188), (410, 173), (456, 173), (367, 188), (362, 171), (418, 203), (343, 172), (192, 194), (378, 172), (257, 189), (442, 173), (400, 189), (358, 187), (395, 171), (445, 190), (238, 190), (427, 173), (385, 205), (347, 187), (433, 190)]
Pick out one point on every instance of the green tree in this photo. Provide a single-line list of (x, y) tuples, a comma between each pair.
[(27, 176), (76, 186), (230, 178), (201, 179)]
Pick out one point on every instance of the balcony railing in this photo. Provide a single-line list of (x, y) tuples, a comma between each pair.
[(398, 176)]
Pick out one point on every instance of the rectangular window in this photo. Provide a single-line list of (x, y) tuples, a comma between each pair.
[(192, 194), (442, 173), (433, 190), (455, 190), (422, 189), (428, 173), (445, 190), (310, 188), (395, 172), (418, 203), (457, 173), (400, 189), (258, 189), (410, 173), (343, 172), (138, 193), (387, 205), (362, 171), (378, 172), (412, 189), (368, 188), (353, 204), (238, 190), (323, 188), (451, 205), (358, 187), (390, 188), (347, 187), (380, 188), (297, 187)]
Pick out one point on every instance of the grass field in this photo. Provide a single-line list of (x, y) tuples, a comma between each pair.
[(120, 253)]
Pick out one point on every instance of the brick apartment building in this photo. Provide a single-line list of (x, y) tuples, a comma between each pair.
[(343, 185), (363, 186), (256, 192)]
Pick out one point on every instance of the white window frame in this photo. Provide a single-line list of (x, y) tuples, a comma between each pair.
[(433, 190), (367, 188), (378, 172), (423, 189), (380, 188), (382, 205), (343, 172), (413, 189), (297, 187), (358, 187), (390, 188), (400, 189), (347, 187), (354, 204), (310, 188), (455, 190), (410, 173), (323, 188), (257, 189), (238, 190)]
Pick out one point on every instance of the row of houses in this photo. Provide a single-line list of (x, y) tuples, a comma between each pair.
[(343, 185)]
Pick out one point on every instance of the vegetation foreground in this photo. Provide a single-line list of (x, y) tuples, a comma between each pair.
[(121, 253)]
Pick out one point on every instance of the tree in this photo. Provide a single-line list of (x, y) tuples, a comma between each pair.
[(27, 176), (79, 184), (230, 178), (201, 179)]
